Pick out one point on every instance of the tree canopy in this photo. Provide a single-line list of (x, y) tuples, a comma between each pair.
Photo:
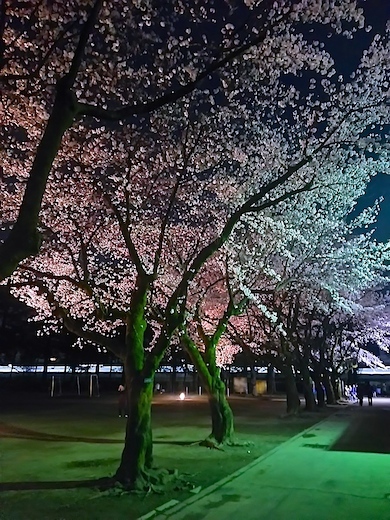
[(164, 126)]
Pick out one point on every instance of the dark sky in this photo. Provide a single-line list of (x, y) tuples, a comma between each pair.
[(378, 14), (379, 186)]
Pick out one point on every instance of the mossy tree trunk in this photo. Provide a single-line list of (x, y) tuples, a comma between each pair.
[(137, 454), (140, 366), (222, 420)]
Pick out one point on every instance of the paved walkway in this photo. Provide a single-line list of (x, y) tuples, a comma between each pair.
[(308, 477)]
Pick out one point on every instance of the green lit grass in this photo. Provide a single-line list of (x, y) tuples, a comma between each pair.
[(51, 447)]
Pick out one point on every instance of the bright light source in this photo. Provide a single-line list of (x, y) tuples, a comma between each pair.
[(182, 396)]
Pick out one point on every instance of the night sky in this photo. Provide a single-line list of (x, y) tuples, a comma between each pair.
[(377, 14), (348, 55), (379, 186)]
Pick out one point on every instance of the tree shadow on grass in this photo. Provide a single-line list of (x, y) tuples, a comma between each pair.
[(174, 442), (101, 483), (15, 432), (24, 433)]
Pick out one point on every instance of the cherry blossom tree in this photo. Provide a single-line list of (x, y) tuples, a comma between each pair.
[(334, 340), (91, 59), (322, 266), (133, 212), (209, 309), (353, 334)]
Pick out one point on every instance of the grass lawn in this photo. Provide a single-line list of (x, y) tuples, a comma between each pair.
[(53, 450)]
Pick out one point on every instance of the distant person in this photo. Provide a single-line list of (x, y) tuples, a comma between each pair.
[(369, 392), (360, 393), (122, 402)]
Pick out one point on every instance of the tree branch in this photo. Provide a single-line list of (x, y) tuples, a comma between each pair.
[(24, 239), (146, 107), (133, 253), (78, 328)]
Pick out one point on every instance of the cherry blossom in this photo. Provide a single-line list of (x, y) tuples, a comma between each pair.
[(163, 127)]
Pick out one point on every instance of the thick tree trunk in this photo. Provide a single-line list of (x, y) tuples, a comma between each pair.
[(335, 386), (137, 455), (310, 403), (24, 239), (271, 384), (222, 422), (293, 401), (330, 397)]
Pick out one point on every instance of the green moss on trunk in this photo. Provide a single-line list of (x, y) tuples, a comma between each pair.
[(137, 455), (222, 422)]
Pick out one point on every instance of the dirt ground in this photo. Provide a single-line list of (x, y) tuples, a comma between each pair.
[(53, 451)]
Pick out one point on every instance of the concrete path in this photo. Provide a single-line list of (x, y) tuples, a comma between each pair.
[(308, 477)]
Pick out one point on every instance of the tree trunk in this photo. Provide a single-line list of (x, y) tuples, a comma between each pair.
[(335, 386), (271, 384), (310, 403), (293, 401), (253, 382), (320, 391), (222, 422), (137, 454), (24, 239), (330, 397)]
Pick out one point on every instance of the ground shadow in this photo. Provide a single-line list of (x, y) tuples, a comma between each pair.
[(368, 432), (7, 430), (178, 443), (15, 432), (102, 484)]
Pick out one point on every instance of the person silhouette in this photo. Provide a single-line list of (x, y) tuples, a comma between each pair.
[(122, 401), (360, 393), (369, 392)]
